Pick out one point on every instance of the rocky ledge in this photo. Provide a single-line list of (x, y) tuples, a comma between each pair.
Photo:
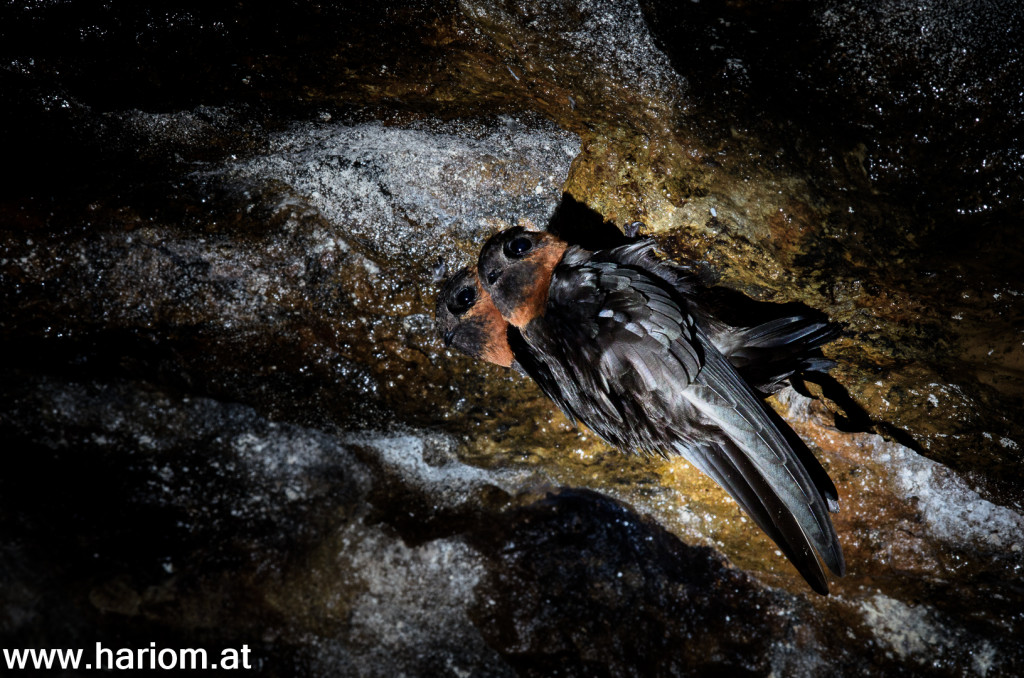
[(227, 419)]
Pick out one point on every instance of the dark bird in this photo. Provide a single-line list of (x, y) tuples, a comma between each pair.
[(618, 339), (765, 355)]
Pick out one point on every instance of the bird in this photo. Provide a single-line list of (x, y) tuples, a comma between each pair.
[(619, 341), (766, 355)]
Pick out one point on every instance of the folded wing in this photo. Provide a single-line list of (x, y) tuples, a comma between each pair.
[(635, 365)]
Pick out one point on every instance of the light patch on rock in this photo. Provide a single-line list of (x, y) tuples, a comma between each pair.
[(950, 509), (427, 461), (920, 633), (610, 37), (413, 611), (907, 631), (461, 178)]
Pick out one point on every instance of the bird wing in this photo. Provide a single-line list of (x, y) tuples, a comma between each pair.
[(727, 401), (737, 475), (642, 374), (619, 347), (684, 276), (764, 355)]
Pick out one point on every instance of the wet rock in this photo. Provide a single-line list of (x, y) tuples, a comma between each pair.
[(229, 421), (254, 532), (579, 557), (329, 280), (369, 178)]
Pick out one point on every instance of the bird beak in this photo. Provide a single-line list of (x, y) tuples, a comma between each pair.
[(448, 336)]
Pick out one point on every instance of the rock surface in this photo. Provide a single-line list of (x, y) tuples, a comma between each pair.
[(227, 419)]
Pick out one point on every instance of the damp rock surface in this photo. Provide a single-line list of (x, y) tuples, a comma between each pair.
[(227, 419)]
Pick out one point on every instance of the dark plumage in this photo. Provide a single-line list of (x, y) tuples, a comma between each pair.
[(619, 340)]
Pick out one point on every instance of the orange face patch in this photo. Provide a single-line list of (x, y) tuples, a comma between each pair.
[(495, 348), (535, 298)]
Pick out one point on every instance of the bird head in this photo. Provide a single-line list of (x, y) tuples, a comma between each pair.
[(468, 320), (515, 268)]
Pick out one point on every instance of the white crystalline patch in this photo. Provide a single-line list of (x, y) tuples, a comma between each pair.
[(908, 631), (450, 481), (951, 510), (371, 268), (983, 658), (286, 456), (919, 632), (372, 180), (414, 597), (799, 406)]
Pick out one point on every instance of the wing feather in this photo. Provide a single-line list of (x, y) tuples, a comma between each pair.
[(635, 367), (726, 400)]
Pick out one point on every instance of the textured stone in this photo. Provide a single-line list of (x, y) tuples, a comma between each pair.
[(227, 418)]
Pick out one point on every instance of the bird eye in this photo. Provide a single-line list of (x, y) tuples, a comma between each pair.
[(462, 300), (466, 296), (516, 248)]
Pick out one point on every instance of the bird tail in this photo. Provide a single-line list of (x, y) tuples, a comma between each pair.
[(770, 353)]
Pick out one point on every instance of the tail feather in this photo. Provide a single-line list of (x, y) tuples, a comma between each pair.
[(789, 330), (769, 353)]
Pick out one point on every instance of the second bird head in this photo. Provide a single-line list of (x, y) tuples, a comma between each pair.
[(468, 320)]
